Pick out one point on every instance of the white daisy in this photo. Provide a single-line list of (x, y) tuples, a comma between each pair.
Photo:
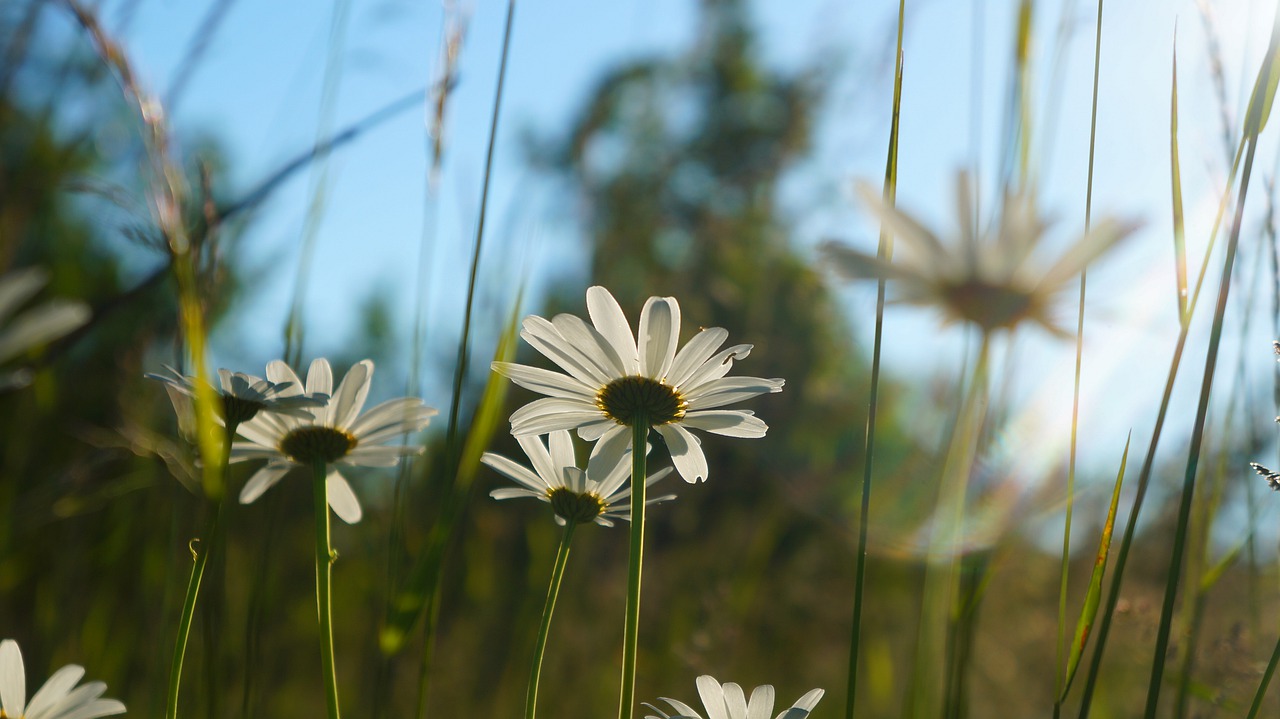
[(989, 279), (612, 379), (36, 326), (334, 433), (728, 701), (57, 699), (243, 395), (574, 493)]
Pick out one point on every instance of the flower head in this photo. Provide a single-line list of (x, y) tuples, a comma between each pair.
[(614, 380), (728, 701), (57, 699), (38, 325), (988, 280), (334, 433), (243, 395), (575, 494)]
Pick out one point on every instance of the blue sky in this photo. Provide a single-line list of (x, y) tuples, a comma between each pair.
[(260, 85)]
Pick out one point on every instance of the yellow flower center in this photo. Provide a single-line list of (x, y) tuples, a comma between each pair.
[(574, 507), (307, 445), (626, 397)]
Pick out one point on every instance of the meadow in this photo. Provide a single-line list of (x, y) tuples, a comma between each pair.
[(952, 428)]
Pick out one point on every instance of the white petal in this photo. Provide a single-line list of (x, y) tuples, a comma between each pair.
[(560, 444), (697, 351), (513, 492), (761, 705), (611, 323), (13, 678), (261, 481), (729, 390), (552, 413), (341, 499), (595, 430), (351, 395), (408, 414), (40, 325), (544, 337), (590, 343), (803, 705), (730, 423), (552, 384), (609, 452), (515, 471), (94, 709), (682, 708), (658, 336), (320, 377), (715, 368), (735, 700), (54, 690), (712, 697), (281, 373), (686, 452)]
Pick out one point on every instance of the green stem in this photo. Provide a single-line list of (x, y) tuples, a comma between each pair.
[(193, 585), (324, 598), (557, 573), (1266, 679), (631, 631)]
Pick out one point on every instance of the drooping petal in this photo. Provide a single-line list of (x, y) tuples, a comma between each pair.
[(715, 368), (341, 498), (903, 226), (607, 316), (730, 423), (261, 481), (515, 471), (54, 690), (514, 492), (547, 415), (728, 390), (659, 333), (686, 452), (93, 710), (405, 414), (609, 451), (595, 430)]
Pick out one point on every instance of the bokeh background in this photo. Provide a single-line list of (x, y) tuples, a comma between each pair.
[(335, 155)]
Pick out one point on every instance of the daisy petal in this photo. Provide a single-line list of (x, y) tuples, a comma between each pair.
[(54, 690), (13, 679), (686, 453), (735, 700), (515, 471), (261, 481), (342, 500), (591, 343), (609, 451), (728, 390), (513, 492), (545, 338), (543, 464), (761, 705), (547, 415), (659, 333), (351, 395), (712, 697), (560, 445), (612, 324), (320, 377), (730, 423), (94, 709), (552, 384), (716, 367), (697, 351)]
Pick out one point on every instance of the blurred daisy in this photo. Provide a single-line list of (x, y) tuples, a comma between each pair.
[(988, 280), (40, 324), (575, 494), (727, 701), (613, 379), (57, 699), (334, 433), (243, 396)]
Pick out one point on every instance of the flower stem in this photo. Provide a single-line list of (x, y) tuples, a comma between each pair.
[(553, 590), (201, 556), (1266, 679), (324, 599), (631, 632)]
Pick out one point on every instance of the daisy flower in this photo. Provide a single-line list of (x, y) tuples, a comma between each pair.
[(986, 279), (613, 380), (574, 494), (728, 701), (334, 433), (34, 327), (57, 699), (243, 396)]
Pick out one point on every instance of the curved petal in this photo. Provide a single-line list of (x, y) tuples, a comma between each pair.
[(684, 709), (715, 368), (594, 346), (809, 700), (13, 679), (351, 395), (40, 325), (658, 336), (544, 337), (261, 481), (560, 445), (94, 709), (610, 321), (401, 412), (342, 500), (728, 390), (281, 373), (712, 697), (54, 691), (735, 700), (320, 377), (686, 452), (595, 430), (695, 352), (543, 464), (608, 452), (19, 286), (730, 423), (547, 415), (761, 705), (513, 492)]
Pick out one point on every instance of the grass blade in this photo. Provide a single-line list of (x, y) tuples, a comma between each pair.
[(1179, 228), (1093, 597)]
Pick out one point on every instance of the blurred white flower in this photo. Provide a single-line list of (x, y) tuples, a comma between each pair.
[(612, 380), (574, 493), (59, 698), (243, 396), (988, 279), (36, 326), (728, 701), (334, 433)]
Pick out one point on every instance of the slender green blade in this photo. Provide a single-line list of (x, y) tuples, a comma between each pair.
[(1179, 227), (1264, 88), (1093, 596)]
